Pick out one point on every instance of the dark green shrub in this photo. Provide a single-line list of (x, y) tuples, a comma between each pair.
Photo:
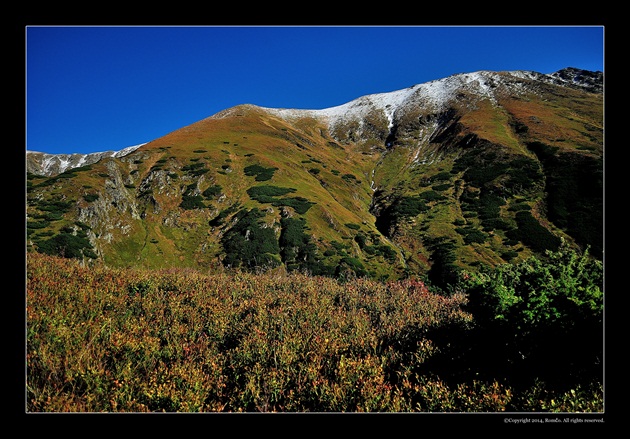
[(192, 167), (220, 218), (360, 239), (430, 196), (68, 245), (57, 206), (249, 244), (350, 178), (212, 191), (195, 169), (531, 233), (349, 265), (524, 174), (190, 202), (441, 187), (444, 271), (574, 185), (37, 224), (260, 172), (408, 207), (441, 176), (509, 255), (90, 197), (403, 207), (301, 205), (268, 194), (49, 216), (519, 206), (472, 235), (297, 249)]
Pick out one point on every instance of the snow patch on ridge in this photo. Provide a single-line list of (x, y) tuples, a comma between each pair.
[(434, 96), (50, 164)]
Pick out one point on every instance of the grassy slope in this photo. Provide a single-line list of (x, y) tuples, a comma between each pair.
[(226, 146)]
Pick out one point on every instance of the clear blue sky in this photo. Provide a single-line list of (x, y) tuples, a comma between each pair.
[(91, 89)]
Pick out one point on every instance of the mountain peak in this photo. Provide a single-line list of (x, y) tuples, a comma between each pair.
[(574, 77)]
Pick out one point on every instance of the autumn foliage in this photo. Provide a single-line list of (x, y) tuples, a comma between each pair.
[(179, 340)]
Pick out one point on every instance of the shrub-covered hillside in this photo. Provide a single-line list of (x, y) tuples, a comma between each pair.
[(178, 340)]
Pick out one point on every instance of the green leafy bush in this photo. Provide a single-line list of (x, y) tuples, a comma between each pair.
[(545, 316)]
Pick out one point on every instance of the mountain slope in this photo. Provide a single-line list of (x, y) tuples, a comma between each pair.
[(476, 168)]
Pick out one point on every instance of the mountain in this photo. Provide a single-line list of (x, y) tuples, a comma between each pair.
[(476, 168)]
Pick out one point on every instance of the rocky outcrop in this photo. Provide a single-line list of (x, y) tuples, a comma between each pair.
[(40, 163)]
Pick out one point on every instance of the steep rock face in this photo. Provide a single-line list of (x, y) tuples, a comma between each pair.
[(477, 168)]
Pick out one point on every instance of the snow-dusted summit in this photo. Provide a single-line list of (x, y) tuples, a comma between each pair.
[(436, 96)]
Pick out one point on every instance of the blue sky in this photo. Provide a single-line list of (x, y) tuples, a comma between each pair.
[(91, 89)]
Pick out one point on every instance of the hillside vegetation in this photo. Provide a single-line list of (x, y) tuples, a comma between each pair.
[(179, 340)]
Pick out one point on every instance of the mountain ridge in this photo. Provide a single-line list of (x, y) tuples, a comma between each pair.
[(474, 169), (52, 164), (436, 93)]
